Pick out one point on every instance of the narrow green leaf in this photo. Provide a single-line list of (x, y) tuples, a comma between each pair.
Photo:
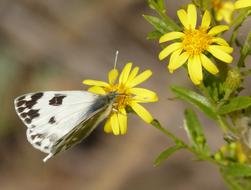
[(165, 154), (232, 182), (235, 104), (236, 23), (237, 170), (195, 99), (195, 131), (159, 7), (154, 35), (245, 51), (161, 4), (158, 24)]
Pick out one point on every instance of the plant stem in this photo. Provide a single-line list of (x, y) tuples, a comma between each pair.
[(157, 125)]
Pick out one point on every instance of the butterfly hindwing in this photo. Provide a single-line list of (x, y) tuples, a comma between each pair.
[(80, 132), (49, 116)]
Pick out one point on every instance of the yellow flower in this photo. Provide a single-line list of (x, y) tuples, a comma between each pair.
[(130, 96), (223, 10), (242, 4), (191, 45)]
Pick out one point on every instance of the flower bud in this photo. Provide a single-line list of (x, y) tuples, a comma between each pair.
[(233, 79)]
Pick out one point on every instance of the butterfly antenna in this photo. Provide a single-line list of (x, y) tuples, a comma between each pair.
[(116, 59)]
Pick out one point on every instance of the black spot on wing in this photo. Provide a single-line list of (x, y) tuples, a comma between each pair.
[(52, 120), (27, 120), (30, 115), (20, 98), (33, 114), (20, 110), (37, 96), (27, 103), (20, 103), (57, 100), (38, 143)]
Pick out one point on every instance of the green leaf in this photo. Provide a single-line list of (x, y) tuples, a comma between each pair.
[(237, 170), (195, 131), (245, 51), (195, 99), (158, 24), (236, 24), (165, 154), (154, 35), (235, 104), (159, 7)]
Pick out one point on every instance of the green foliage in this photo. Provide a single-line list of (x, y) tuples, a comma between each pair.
[(245, 50), (237, 23), (158, 24), (163, 23), (217, 97), (154, 35), (195, 131), (165, 154), (235, 104), (195, 99), (237, 170)]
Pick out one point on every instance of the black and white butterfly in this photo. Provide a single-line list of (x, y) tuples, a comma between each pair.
[(57, 120)]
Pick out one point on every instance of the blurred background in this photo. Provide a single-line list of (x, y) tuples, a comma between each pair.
[(54, 45)]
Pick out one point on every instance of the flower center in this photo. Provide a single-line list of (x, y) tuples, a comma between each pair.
[(121, 100), (196, 41)]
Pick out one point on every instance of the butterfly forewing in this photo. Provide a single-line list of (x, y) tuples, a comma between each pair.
[(49, 116)]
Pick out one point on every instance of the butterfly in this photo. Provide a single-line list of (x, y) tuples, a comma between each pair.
[(57, 120)]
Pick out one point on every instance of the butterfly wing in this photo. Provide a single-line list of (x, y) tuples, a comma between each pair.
[(80, 132), (49, 116)]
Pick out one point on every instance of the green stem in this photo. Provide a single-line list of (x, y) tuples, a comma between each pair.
[(181, 143), (157, 125)]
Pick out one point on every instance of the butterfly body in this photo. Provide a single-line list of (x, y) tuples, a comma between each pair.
[(57, 120)]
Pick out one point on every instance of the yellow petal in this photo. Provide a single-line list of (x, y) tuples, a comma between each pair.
[(143, 95), (141, 112), (183, 18), (195, 70), (220, 41), (97, 90), (125, 73), (242, 4), (226, 49), (192, 16), (171, 36), (206, 20), (169, 49), (219, 54), (122, 118), (112, 76), (177, 60), (139, 79), (218, 29), (208, 64), (108, 127), (132, 74), (95, 83), (115, 124)]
